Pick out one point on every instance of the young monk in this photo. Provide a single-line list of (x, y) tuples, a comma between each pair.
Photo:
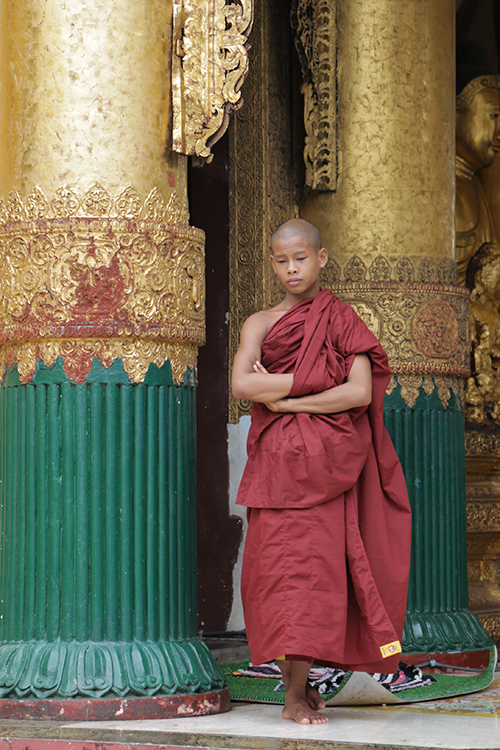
[(327, 552)]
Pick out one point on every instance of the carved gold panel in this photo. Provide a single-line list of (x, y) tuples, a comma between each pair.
[(315, 30), (124, 281), (424, 329), (209, 65)]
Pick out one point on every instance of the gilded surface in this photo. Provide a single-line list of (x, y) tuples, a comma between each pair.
[(379, 267), (422, 327), (478, 259), (261, 179), (372, 210), (388, 227), (86, 96), (396, 111), (477, 247), (491, 623), (483, 525), (483, 516), (209, 65), (126, 280), (314, 24), (434, 330), (482, 444)]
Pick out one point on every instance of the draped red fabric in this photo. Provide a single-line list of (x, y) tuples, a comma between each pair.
[(327, 554)]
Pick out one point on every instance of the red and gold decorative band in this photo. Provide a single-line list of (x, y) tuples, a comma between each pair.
[(84, 287)]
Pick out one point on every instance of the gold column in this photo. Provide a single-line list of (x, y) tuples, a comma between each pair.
[(396, 111), (391, 217), (94, 204)]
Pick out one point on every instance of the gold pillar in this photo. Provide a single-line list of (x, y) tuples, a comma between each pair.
[(86, 97), (391, 217), (396, 111), (92, 197)]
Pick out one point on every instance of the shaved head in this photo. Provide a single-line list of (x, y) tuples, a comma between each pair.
[(298, 228)]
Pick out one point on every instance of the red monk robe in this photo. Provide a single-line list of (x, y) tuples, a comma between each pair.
[(327, 553)]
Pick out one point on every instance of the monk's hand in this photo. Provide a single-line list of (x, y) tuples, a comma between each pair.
[(278, 406), (259, 367)]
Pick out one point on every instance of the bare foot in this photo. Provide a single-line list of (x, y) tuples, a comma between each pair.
[(313, 698), (300, 711), (302, 701)]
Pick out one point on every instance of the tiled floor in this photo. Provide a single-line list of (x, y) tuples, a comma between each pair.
[(465, 723)]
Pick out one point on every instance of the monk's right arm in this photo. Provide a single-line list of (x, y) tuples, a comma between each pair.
[(249, 382)]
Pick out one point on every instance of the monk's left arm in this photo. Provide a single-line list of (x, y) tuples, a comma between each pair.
[(356, 391)]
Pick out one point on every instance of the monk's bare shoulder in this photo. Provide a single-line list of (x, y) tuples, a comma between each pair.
[(257, 325)]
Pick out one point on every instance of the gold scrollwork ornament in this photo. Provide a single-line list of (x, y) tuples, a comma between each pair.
[(100, 286), (209, 65)]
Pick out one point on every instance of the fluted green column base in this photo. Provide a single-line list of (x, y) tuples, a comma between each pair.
[(68, 670), (97, 536), (429, 440)]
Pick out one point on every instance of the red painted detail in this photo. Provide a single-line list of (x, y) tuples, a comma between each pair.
[(472, 659), (78, 367), (117, 709), (171, 179), (99, 288)]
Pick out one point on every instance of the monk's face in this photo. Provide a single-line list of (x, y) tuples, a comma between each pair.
[(478, 129), (297, 265)]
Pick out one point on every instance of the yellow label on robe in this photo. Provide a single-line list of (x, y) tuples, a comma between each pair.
[(390, 649)]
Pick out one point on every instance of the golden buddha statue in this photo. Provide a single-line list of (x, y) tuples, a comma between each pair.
[(478, 140), (483, 387)]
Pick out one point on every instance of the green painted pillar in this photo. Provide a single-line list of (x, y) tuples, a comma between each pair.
[(102, 305), (97, 574), (429, 438)]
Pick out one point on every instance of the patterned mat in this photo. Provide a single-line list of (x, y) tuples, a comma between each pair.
[(359, 688)]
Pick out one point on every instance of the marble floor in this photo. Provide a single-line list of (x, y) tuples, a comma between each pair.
[(465, 723)]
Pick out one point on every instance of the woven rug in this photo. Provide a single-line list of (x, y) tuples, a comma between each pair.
[(360, 688)]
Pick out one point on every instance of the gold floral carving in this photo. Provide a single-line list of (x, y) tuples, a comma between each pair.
[(434, 329), (491, 623), (95, 202), (314, 24), (209, 65), (482, 444), (104, 286), (412, 384), (483, 516), (391, 309), (381, 268), (422, 327), (483, 523), (261, 192), (483, 387)]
